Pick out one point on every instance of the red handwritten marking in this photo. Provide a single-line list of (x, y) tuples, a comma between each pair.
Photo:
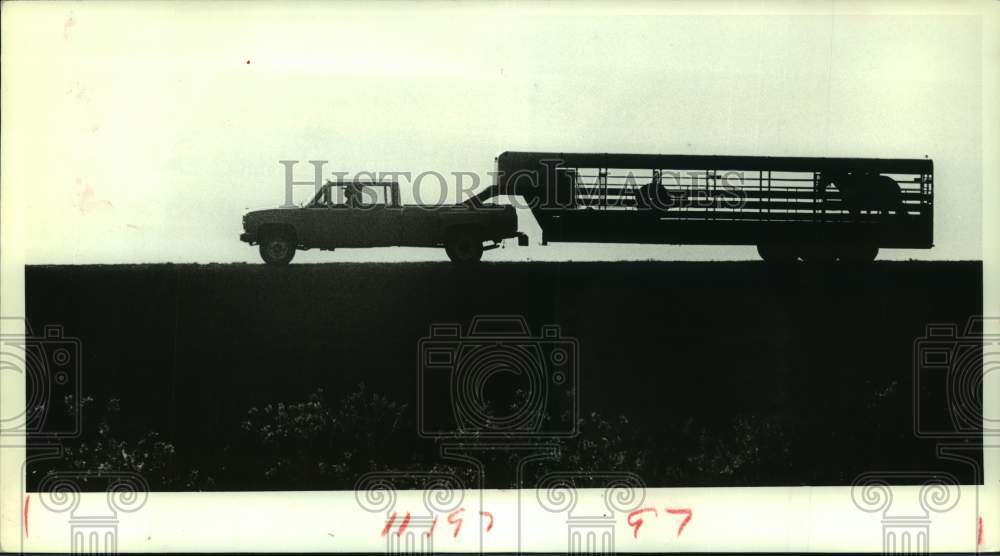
[(635, 521), (433, 525), (402, 526), (979, 537), (681, 511), (27, 504), (639, 521), (388, 524), (489, 515), (452, 521)]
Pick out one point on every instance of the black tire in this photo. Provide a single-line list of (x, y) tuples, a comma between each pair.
[(777, 253), (277, 249), (858, 253), (464, 250)]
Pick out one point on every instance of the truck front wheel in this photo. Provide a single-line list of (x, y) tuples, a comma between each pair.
[(464, 250), (277, 249)]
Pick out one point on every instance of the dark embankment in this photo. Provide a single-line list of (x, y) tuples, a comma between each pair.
[(691, 374)]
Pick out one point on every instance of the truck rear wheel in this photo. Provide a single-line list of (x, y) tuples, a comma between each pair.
[(464, 250), (277, 249)]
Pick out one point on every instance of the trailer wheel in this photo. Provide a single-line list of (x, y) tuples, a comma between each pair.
[(464, 249), (858, 253), (277, 249), (776, 253)]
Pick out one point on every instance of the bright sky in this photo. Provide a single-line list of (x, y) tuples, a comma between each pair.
[(140, 132)]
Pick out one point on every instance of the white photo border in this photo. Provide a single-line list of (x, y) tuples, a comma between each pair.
[(779, 519)]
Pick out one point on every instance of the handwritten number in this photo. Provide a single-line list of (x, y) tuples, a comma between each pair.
[(681, 511)]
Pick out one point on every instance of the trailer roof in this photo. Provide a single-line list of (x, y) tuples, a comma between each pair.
[(520, 159)]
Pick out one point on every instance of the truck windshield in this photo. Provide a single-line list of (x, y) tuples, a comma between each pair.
[(356, 194)]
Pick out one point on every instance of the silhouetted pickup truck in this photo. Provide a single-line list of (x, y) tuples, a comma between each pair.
[(368, 214)]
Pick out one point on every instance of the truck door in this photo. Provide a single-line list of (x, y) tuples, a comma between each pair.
[(312, 221), (312, 226), (330, 223), (370, 220)]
